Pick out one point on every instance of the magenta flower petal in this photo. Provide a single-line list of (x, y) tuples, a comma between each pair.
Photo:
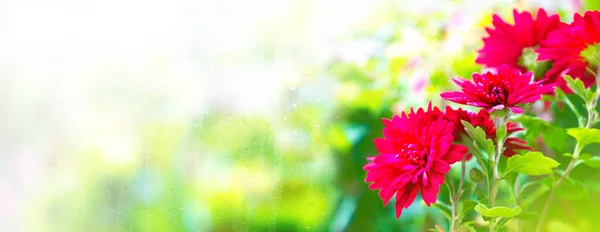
[(414, 158), (564, 48), (419, 148), (506, 89), (505, 43), (482, 119)]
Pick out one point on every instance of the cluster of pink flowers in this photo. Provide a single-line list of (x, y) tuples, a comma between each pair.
[(418, 147), (571, 48)]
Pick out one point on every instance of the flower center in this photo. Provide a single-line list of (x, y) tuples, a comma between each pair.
[(414, 153), (528, 58), (420, 159), (498, 95), (592, 54)]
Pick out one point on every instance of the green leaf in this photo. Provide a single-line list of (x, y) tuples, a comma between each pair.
[(593, 162), (531, 184), (579, 89), (488, 147), (585, 156), (467, 226), (501, 132), (480, 141), (481, 196), (467, 206), (585, 136), (445, 209), (568, 154), (561, 96), (498, 211), (500, 113), (571, 189), (501, 222), (553, 135), (476, 134), (531, 163), (549, 98), (582, 158)]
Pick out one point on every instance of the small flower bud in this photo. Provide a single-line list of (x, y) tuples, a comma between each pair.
[(476, 175)]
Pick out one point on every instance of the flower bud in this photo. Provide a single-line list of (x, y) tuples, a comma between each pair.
[(476, 175)]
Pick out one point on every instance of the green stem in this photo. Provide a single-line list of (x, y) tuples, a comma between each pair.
[(499, 121), (516, 189), (463, 170), (450, 184), (591, 108), (566, 100), (454, 209), (455, 198), (555, 186)]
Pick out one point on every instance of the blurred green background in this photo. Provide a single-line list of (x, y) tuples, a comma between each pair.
[(219, 115)]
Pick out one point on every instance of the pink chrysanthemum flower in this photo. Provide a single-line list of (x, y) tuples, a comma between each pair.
[(508, 89), (573, 50), (513, 44), (414, 156), (482, 119)]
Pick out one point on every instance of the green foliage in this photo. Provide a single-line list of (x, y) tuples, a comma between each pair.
[(498, 211), (593, 162), (553, 135), (579, 89), (467, 206), (468, 226), (531, 184), (528, 215), (483, 145), (476, 175), (235, 173), (571, 189), (591, 54), (585, 136), (585, 156), (445, 209), (592, 4), (337, 139), (477, 134), (501, 132), (558, 226), (567, 118), (531, 163)]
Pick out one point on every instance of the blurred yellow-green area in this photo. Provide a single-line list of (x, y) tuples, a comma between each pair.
[(200, 115)]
